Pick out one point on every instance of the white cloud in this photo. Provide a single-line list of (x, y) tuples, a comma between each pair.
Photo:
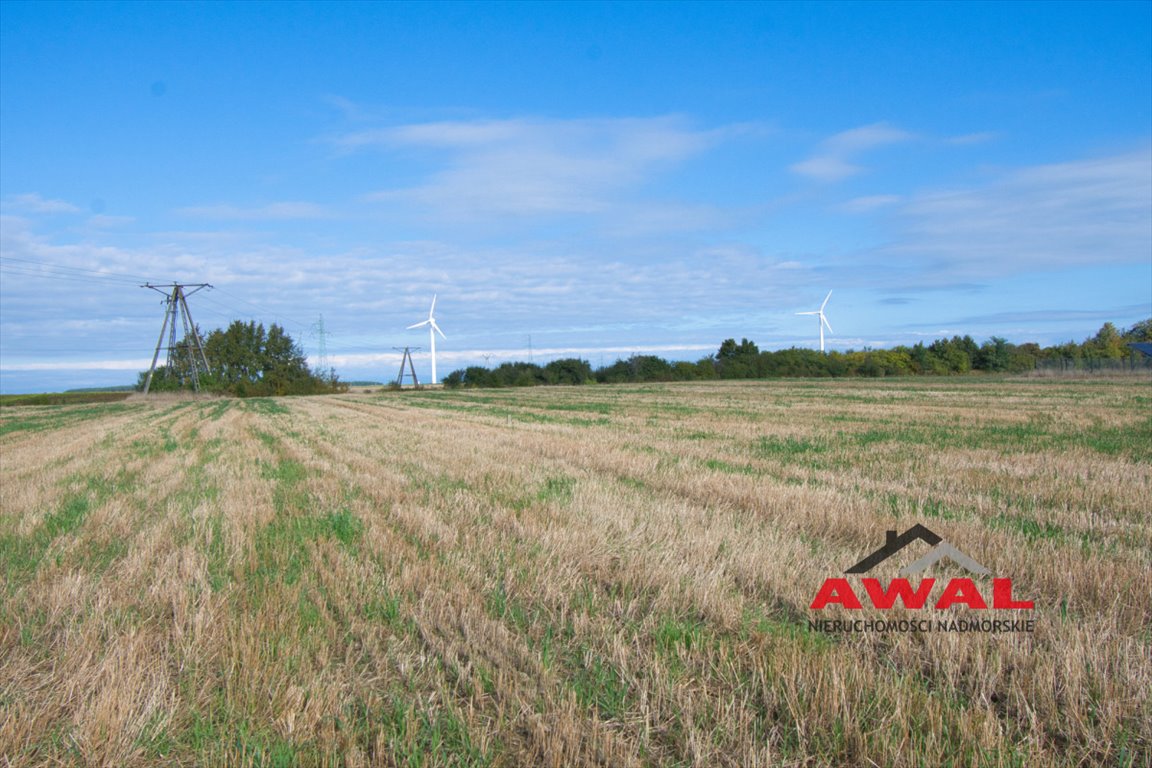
[(967, 139), (104, 221), (1081, 213), (869, 203), (25, 251), (833, 159), (1051, 316), (82, 365), (826, 168), (864, 138), (540, 354), (34, 203), (535, 167), (271, 211)]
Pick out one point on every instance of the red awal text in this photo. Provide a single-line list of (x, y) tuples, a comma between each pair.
[(956, 592)]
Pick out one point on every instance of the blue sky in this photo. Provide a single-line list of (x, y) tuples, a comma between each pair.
[(571, 179)]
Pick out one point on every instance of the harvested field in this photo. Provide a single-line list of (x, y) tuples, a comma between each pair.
[(614, 576)]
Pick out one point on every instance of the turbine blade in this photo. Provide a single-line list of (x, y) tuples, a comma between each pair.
[(417, 325), (826, 323), (826, 301), (807, 313), (437, 329), (433, 307)]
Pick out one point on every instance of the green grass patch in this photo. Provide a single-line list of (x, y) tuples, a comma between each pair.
[(679, 409), (219, 571), (500, 605), (166, 443), (634, 483), (283, 547), (871, 437), (1030, 529), (64, 398), (343, 526), (557, 489), (13, 420), (68, 516), (222, 739), (598, 684), (604, 409), (216, 410), (265, 405), (938, 510), (99, 557), (787, 447), (416, 734), (385, 610), (730, 468), (1132, 441), (20, 556), (677, 639)]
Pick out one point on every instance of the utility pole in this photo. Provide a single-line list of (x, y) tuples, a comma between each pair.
[(176, 304), (407, 358)]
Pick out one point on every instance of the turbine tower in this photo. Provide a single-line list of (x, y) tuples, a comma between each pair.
[(433, 329), (823, 320)]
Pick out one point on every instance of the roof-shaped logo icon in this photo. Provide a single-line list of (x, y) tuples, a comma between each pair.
[(941, 549)]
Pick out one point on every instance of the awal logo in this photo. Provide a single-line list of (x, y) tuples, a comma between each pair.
[(941, 549), (958, 591)]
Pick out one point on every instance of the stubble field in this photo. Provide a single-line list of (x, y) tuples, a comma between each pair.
[(614, 576)]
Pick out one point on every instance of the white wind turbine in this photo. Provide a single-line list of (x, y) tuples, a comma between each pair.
[(823, 320), (433, 329)]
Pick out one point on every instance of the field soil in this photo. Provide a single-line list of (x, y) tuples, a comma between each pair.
[(584, 576)]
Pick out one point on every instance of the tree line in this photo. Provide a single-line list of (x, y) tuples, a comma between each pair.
[(245, 360), (248, 360), (744, 360)]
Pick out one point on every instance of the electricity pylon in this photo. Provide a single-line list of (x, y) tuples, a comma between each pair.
[(176, 304), (407, 358), (322, 346)]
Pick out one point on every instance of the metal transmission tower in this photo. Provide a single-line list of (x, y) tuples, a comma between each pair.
[(182, 358), (322, 346), (407, 358)]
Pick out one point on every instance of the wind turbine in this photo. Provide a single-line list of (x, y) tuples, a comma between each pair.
[(433, 329), (823, 320)]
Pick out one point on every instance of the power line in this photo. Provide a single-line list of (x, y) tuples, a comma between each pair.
[(7, 270), (39, 269), (229, 312), (48, 269), (298, 323)]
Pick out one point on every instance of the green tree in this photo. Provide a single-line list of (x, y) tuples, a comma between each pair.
[(248, 360), (1107, 344), (955, 353), (651, 368), (569, 370), (178, 375), (737, 361), (994, 355), (518, 374), (1142, 331), (472, 376)]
